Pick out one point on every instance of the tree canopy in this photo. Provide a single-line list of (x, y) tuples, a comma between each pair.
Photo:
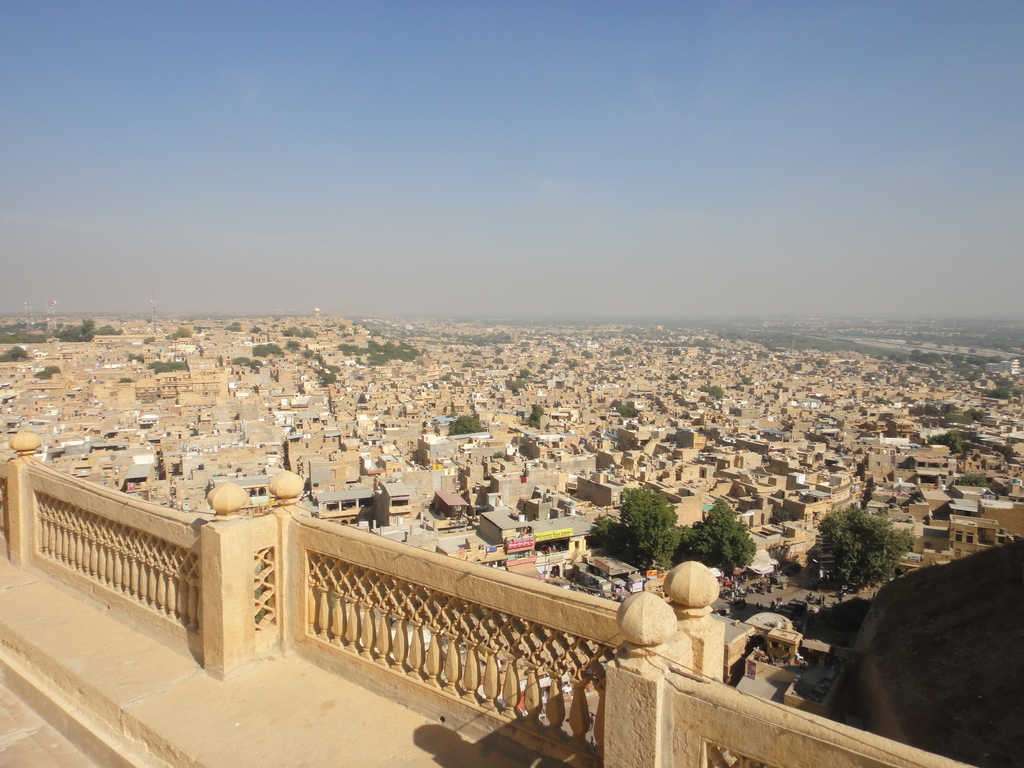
[(465, 425), (719, 540), (714, 390), (78, 333), (953, 439), (47, 372), (646, 533), (973, 479), (267, 350), (164, 366), (14, 354), (866, 548), (535, 415)]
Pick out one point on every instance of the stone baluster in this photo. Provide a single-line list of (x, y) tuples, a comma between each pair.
[(415, 648), (510, 687), (579, 714), (433, 664), (555, 707), (491, 683), (471, 672), (382, 645), (452, 664), (367, 627), (400, 644), (533, 700), (351, 623)]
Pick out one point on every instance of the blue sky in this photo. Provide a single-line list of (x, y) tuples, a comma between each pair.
[(517, 159)]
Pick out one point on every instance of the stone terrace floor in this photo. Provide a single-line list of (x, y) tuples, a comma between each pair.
[(283, 712)]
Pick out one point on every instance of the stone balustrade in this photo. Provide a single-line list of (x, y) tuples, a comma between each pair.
[(571, 676)]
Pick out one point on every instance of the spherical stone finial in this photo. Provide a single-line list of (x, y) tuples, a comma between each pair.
[(25, 443), (692, 585), (286, 486), (226, 499), (645, 619)]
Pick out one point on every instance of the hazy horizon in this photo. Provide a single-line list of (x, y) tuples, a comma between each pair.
[(647, 162)]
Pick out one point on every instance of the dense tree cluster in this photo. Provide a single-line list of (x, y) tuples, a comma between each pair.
[(719, 540), (866, 548), (78, 333), (647, 534), (164, 366), (376, 353)]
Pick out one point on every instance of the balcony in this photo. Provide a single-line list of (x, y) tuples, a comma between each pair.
[(151, 637)]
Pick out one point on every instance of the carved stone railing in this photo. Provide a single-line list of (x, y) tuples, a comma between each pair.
[(157, 574), (142, 556), (528, 656), (491, 654)]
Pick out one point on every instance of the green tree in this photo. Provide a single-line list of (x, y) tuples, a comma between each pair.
[(866, 548), (47, 372), (78, 333), (535, 416), (953, 439), (13, 355), (163, 366), (125, 380), (974, 480), (183, 332), (646, 533), (869, 492), (714, 390), (781, 515), (255, 329), (292, 345), (109, 330), (719, 540), (149, 340), (465, 425), (1000, 393), (235, 327), (267, 350), (627, 411)]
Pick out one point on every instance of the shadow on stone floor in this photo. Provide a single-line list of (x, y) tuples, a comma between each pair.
[(496, 750)]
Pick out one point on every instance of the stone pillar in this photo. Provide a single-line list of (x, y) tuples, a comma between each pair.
[(692, 588), (637, 730), (228, 607), (20, 500), (287, 487)]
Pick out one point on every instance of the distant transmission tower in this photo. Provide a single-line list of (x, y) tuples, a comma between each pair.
[(28, 313), (152, 310), (51, 315)]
